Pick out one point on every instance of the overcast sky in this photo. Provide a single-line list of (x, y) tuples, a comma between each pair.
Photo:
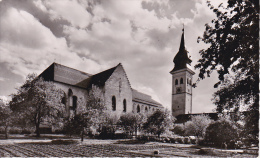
[(95, 35)]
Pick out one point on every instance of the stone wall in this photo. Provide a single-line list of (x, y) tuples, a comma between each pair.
[(118, 85)]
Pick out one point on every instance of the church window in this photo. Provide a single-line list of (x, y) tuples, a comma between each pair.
[(188, 82), (114, 103), (124, 104), (181, 81), (64, 99), (146, 109), (75, 99), (176, 82), (138, 109)]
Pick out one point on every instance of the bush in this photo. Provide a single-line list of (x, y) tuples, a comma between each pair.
[(64, 141), (222, 133), (15, 130)]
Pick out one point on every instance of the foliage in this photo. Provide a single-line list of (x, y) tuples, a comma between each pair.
[(5, 118), (37, 101), (197, 126), (131, 122), (179, 130), (108, 125), (223, 133), (89, 113), (234, 49), (158, 122)]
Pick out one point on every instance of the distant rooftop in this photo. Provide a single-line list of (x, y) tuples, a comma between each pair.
[(144, 98)]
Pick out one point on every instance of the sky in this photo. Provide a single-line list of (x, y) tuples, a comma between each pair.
[(95, 35)]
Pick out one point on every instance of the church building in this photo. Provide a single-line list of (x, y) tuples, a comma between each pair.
[(118, 95), (181, 82)]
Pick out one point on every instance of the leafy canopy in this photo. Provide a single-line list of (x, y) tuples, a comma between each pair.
[(37, 101), (234, 53)]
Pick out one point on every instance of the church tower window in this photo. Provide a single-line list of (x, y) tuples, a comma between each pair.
[(181, 81), (176, 82), (124, 105), (138, 109), (114, 103)]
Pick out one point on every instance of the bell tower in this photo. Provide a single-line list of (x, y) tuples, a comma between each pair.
[(181, 82)]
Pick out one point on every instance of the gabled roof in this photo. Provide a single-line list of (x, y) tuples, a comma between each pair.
[(144, 98), (63, 74), (98, 79)]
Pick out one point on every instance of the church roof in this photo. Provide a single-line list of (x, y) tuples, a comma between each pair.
[(181, 59), (60, 73), (98, 79), (144, 98)]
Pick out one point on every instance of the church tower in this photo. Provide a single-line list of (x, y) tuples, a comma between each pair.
[(181, 82)]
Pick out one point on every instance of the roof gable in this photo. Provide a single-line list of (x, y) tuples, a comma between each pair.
[(98, 79)]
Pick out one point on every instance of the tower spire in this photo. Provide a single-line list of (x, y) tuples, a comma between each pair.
[(182, 45), (181, 59)]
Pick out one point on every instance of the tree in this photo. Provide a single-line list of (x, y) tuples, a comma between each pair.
[(108, 125), (38, 101), (197, 126), (89, 113), (158, 122), (132, 122), (223, 132), (5, 117), (234, 53)]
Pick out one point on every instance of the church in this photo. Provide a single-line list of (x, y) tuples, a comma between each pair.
[(118, 95)]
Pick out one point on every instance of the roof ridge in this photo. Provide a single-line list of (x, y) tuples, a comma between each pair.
[(72, 69)]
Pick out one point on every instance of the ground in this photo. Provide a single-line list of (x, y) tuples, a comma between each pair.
[(45, 147)]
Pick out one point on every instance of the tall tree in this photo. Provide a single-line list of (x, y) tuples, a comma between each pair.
[(158, 122), (234, 53), (38, 101)]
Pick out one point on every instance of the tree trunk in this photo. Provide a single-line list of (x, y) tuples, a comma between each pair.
[(82, 135), (6, 131), (37, 129)]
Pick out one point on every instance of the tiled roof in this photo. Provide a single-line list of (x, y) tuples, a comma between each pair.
[(182, 118), (97, 79), (144, 98), (63, 74)]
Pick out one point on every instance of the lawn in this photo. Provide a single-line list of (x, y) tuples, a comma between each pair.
[(107, 148)]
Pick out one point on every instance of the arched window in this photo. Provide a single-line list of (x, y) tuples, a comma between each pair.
[(64, 99), (146, 109), (176, 82), (188, 82), (124, 105), (75, 99), (138, 108), (70, 98), (181, 81), (114, 103)]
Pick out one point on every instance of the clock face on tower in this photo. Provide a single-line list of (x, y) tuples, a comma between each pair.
[(178, 90)]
